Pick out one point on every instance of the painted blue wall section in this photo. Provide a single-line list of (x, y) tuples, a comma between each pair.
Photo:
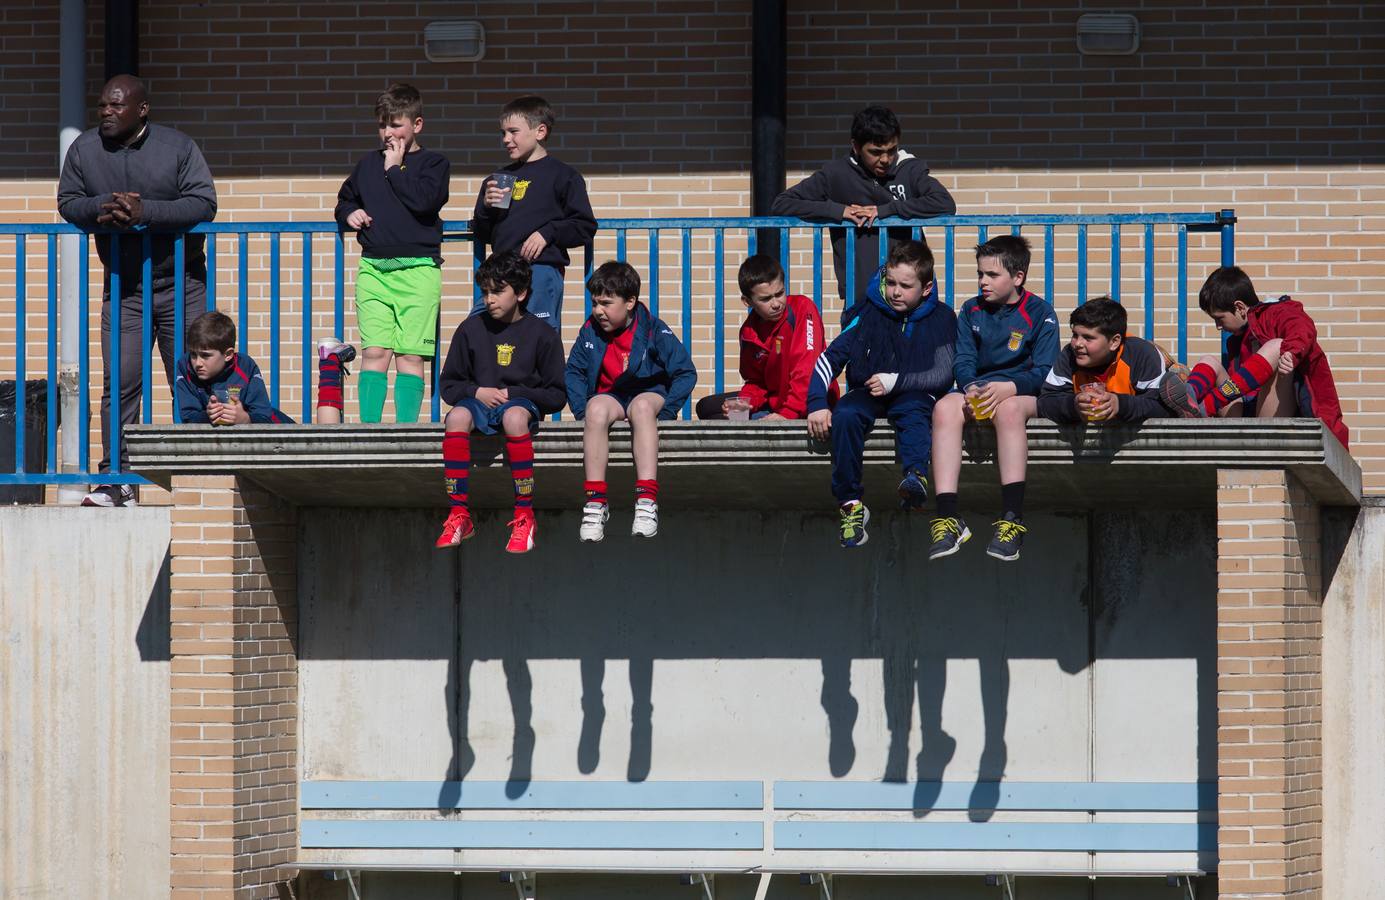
[(1019, 795), (994, 836), (537, 795), (533, 835)]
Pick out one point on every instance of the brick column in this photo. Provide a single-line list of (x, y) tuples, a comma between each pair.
[(234, 620), (1269, 686)]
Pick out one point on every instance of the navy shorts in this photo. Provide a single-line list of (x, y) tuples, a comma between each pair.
[(491, 421)]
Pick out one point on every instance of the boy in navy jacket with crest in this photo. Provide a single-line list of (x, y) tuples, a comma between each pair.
[(215, 384), (625, 365)]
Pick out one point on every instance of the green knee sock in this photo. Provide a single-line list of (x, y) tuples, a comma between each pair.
[(408, 397), (371, 388)]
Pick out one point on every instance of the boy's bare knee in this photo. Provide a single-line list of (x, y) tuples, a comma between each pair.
[(1010, 413), (458, 419), (376, 353), (516, 420), (949, 409)]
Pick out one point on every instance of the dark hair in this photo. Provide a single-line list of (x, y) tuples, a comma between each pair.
[(758, 269), (534, 110), (915, 254), (874, 125), (508, 268), (615, 279), (1223, 288), (211, 331), (401, 101), (1011, 249), (1102, 313)]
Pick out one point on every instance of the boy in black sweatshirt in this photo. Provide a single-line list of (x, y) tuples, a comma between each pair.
[(392, 200), (877, 181), (543, 214), (504, 371)]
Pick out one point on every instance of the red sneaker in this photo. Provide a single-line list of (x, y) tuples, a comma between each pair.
[(521, 532), (456, 529)]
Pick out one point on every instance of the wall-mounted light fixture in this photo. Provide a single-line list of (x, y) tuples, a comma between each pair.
[(1102, 34), (455, 41)]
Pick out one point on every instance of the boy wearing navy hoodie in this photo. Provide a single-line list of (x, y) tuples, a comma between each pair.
[(625, 366), (1007, 340), (897, 352), (504, 372), (877, 180), (215, 384)]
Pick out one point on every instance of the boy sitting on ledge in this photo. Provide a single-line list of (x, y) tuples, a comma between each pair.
[(215, 384)]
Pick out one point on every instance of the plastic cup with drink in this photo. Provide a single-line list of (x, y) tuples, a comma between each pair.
[(738, 409), (1093, 391), (973, 394), (506, 182)]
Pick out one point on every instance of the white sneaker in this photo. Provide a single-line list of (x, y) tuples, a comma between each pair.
[(646, 522), (111, 495), (594, 516)]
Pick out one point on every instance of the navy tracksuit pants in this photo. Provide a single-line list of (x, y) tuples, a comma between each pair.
[(911, 414)]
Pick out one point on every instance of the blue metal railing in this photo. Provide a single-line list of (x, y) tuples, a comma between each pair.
[(939, 232)]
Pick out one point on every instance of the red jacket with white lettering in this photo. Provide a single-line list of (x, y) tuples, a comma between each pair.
[(777, 358), (1286, 319)]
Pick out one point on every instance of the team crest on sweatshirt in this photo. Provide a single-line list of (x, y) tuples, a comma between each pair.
[(1016, 338), (520, 188), (504, 353)]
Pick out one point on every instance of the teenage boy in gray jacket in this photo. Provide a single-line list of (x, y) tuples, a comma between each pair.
[(131, 177)]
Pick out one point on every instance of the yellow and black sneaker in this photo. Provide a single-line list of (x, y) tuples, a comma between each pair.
[(854, 519), (948, 536), (1009, 535)]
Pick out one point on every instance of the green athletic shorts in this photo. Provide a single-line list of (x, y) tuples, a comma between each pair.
[(397, 302)]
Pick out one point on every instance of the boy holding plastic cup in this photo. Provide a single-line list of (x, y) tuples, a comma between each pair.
[(1007, 339), (535, 205)]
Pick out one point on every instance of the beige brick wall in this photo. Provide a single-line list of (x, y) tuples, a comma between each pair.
[(1269, 686), (233, 618)]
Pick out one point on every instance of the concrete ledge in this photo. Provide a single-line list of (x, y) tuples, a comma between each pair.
[(1163, 462)]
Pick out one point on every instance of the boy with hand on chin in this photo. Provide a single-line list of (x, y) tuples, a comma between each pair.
[(504, 371), (897, 352), (1007, 339), (544, 214), (625, 365), (392, 201)]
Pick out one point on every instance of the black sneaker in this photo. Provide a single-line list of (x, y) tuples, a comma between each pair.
[(913, 491), (1178, 395), (948, 537), (1009, 535), (111, 495)]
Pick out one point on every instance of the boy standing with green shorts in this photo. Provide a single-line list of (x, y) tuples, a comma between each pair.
[(392, 201)]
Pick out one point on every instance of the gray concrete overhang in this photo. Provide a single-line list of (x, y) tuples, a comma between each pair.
[(1169, 463)]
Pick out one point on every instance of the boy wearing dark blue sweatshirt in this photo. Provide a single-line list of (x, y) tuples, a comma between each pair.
[(1007, 340), (215, 384), (392, 200), (543, 214), (626, 365), (897, 352)]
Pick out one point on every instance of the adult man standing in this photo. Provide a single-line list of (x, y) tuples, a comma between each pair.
[(131, 177)]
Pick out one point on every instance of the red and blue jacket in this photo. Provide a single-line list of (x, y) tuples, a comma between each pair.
[(658, 363), (1015, 342), (777, 362), (192, 394)]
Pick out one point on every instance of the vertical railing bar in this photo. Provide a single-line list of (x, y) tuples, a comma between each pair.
[(339, 287), (1048, 263), (1149, 281), (1116, 262), (113, 366), (817, 267), (146, 352), (211, 271), (274, 318), (179, 314), (243, 314), (950, 262), (687, 305), (21, 352), (52, 447), (654, 271), (620, 244), (849, 291), (307, 373), (84, 357), (1183, 293), (1081, 264), (719, 311), (784, 256)]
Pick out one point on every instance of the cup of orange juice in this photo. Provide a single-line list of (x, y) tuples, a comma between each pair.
[(973, 394), (1094, 390)]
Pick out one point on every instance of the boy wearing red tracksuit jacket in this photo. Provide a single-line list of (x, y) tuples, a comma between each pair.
[(1273, 364), (781, 340)]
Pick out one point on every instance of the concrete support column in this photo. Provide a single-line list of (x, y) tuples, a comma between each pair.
[(234, 682), (1269, 686)]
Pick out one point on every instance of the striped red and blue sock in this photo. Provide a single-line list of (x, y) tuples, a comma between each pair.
[(456, 465), (520, 452), (329, 382), (1244, 378), (596, 491)]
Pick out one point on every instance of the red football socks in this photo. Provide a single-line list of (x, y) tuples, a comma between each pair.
[(456, 465), (520, 452)]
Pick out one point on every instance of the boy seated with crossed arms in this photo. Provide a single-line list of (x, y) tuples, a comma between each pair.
[(1006, 342), (215, 384), (897, 352), (504, 371), (781, 340), (625, 365)]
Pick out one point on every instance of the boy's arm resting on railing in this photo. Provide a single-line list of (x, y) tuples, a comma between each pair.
[(578, 224), (196, 197), (551, 394), (74, 203), (421, 185), (682, 374), (192, 409), (809, 199), (927, 198)]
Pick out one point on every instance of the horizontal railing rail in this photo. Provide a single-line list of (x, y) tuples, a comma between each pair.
[(658, 240)]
